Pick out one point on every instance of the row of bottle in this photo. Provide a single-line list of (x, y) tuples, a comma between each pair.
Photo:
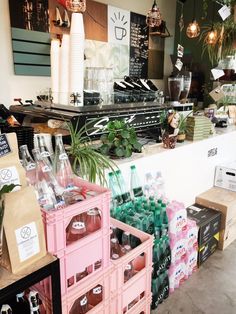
[(161, 255), (50, 177), (160, 289), (22, 303), (121, 193), (87, 301)]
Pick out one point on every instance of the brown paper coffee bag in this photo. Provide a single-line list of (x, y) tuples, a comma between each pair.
[(24, 241), (11, 170)]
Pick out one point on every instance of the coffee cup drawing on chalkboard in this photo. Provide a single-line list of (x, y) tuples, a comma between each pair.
[(120, 32)]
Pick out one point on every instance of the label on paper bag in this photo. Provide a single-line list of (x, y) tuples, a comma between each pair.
[(179, 64), (27, 240), (9, 175), (4, 145), (224, 12), (217, 94)]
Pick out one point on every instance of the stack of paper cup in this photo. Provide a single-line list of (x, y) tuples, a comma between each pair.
[(76, 68), (55, 51), (64, 70)]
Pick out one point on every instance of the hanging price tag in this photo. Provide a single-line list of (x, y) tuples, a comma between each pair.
[(180, 51), (217, 73), (179, 64), (224, 12)]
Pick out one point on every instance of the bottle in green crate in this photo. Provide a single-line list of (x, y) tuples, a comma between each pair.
[(167, 252), (124, 191), (154, 293), (164, 216), (135, 185), (156, 258), (165, 285)]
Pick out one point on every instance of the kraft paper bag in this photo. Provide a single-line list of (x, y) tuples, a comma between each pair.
[(24, 240), (11, 170)]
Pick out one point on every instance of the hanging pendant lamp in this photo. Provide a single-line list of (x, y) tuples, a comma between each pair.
[(212, 35), (193, 29), (154, 17)]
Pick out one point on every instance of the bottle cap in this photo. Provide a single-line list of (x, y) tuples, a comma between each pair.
[(132, 167)]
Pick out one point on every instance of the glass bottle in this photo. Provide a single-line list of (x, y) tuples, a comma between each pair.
[(115, 249), (50, 193), (80, 306), (76, 228), (115, 189), (44, 152), (81, 275), (93, 220), (22, 304), (95, 295), (126, 241), (62, 166), (34, 302), (135, 185), (29, 164), (6, 309), (124, 191)]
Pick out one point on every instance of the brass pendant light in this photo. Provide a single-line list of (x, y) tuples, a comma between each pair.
[(193, 29), (212, 35)]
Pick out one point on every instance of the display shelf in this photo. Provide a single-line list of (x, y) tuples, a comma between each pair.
[(11, 284)]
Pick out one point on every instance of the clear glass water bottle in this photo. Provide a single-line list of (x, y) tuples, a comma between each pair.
[(44, 152), (62, 167), (29, 164), (135, 185)]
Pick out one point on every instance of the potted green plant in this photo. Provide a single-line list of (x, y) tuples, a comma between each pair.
[(182, 128), (120, 140), (5, 189), (87, 161)]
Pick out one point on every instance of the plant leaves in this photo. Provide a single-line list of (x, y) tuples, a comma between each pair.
[(119, 151), (125, 134), (7, 189), (111, 136)]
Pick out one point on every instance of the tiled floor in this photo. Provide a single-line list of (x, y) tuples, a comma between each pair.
[(211, 290)]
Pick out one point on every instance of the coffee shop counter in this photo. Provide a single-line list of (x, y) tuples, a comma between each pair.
[(189, 168)]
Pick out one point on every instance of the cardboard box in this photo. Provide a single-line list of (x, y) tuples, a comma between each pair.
[(208, 222), (208, 249), (221, 200), (227, 236), (225, 176)]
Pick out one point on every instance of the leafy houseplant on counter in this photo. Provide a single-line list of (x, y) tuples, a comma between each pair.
[(87, 162), (120, 140), (182, 127)]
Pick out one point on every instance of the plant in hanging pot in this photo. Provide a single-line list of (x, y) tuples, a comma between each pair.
[(120, 140), (86, 160), (169, 125), (182, 129)]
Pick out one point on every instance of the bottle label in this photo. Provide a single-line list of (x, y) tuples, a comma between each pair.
[(63, 156), (46, 168), (44, 154), (30, 166), (128, 267), (78, 225), (138, 192), (115, 256), (84, 301), (97, 290)]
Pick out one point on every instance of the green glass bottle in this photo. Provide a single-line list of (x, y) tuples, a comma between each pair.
[(135, 185)]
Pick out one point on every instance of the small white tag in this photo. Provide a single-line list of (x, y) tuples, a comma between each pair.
[(224, 12), (63, 156), (196, 209), (9, 176), (84, 301), (97, 290), (30, 166), (46, 168), (27, 240), (78, 225), (217, 73), (179, 64), (180, 51)]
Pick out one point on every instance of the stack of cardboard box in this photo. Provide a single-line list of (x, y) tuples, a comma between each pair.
[(222, 197)]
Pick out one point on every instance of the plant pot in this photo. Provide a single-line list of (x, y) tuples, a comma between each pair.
[(168, 140), (181, 137)]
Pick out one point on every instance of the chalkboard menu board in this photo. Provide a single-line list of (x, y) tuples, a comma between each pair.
[(138, 66), (4, 145)]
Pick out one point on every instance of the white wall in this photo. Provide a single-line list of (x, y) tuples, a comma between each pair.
[(15, 86)]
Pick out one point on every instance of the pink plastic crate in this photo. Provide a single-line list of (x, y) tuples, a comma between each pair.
[(124, 293), (103, 307), (85, 252), (143, 307)]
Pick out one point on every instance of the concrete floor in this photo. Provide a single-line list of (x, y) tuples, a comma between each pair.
[(211, 290)]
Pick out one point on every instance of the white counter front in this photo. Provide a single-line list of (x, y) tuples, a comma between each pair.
[(187, 169)]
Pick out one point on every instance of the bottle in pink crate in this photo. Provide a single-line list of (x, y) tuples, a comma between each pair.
[(80, 306), (93, 220), (29, 165), (76, 228), (115, 249), (95, 295), (61, 165), (192, 234), (81, 275)]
